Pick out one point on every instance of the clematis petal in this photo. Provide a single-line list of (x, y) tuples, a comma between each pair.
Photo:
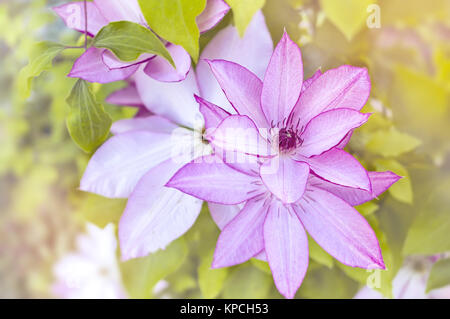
[(339, 167), (160, 69), (155, 215), (90, 67), (172, 100), (253, 52), (112, 62), (73, 16), (214, 12), (342, 144), (212, 114), (153, 123), (286, 247), (119, 164), (339, 229), (307, 83), (223, 214), (327, 129), (344, 87), (285, 178), (119, 10), (128, 96), (282, 81), (242, 89), (380, 182), (239, 133), (242, 238), (210, 179)]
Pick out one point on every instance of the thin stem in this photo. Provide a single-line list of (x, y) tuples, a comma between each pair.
[(85, 25)]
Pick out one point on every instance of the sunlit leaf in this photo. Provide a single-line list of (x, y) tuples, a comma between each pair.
[(210, 280), (439, 275), (243, 12), (88, 123), (391, 143)]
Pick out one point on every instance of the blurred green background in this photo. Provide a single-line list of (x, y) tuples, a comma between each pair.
[(408, 57)]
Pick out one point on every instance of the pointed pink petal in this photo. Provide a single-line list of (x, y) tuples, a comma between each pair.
[(327, 129), (160, 69), (239, 133), (242, 238), (253, 52), (174, 100), (73, 16), (153, 123), (112, 62), (339, 167), (344, 87), (155, 215), (339, 229), (286, 247), (128, 96), (307, 83), (223, 214), (380, 182), (282, 81), (119, 164), (214, 12), (120, 10), (210, 179), (90, 67), (242, 89), (342, 144), (285, 178), (212, 114)]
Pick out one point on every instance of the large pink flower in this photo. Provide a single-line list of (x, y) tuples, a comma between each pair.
[(299, 178), (100, 65)]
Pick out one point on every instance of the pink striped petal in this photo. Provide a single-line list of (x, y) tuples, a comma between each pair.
[(339, 167), (112, 62), (344, 87), (73, 16), (90, 67), (327, 129), (153, 123), (380, 182), (120, 10), (285, 178), (214, 12), (339, 229), (242, 238), (223, 214), (210, 179), (242, 89), (212, 114), (307, 83), (128, 96), (155, 215), (286, 247), (342, 144), (282, 81), (239, 133), (160, 69)]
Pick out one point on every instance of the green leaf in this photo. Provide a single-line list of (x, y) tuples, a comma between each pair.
[(141, 275), (128, 40), (439, 275), (211, 281), (41, 60), (430, 231), (247, 282), (402, 189), (243, 12), (391, 143), (319, 255), (88, 123), (348, 15), (175, 21)]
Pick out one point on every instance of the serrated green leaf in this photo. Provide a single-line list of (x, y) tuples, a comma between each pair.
[(391, 143), (175, 21), (439, 275), (348, 15), (88, 123), (210, 280), (140, 275), (128, 40), (243, 12), (41, 60), (402, 189)]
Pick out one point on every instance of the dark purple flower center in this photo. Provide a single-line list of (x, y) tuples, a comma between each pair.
[(288, 139)]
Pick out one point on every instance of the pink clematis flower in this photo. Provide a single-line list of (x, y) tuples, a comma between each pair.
[(141, 157), (292, 129), (100, 65)]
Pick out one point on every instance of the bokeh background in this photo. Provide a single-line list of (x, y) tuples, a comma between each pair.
[(408, 57)]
